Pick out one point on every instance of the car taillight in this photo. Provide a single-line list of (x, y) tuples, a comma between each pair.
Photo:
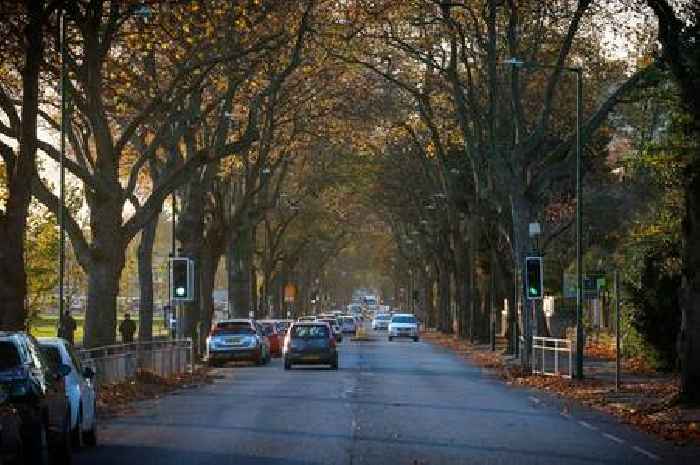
[(332, 341)]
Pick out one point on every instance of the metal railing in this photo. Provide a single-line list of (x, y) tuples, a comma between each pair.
[(119, 362), (544, 349)]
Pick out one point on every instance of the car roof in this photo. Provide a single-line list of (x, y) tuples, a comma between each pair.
[(11, 334), (403, 314), (54, 341), (236, 320), (311, 323)]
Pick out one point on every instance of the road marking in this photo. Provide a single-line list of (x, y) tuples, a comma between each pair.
[(565, 415), (647, 453), (534, 399), (587, 425), (614, 438)]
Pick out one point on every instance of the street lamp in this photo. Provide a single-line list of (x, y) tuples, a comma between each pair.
[(62, 175), (579, 278)]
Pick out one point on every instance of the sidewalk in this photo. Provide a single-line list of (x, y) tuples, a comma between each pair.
[(646, 399)]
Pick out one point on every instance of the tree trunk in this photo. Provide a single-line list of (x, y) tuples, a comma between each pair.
[(239, 254), (145, 257), (103, 287), (444, 298), (429, 284), (211, 255), (13, 279), (689, 337)]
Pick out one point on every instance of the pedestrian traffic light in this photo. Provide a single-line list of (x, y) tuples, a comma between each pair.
[(181, 279), (533, 278)]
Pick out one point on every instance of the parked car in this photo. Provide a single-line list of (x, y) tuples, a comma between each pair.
[(381, 321), (38, 395), (307, 318), (270, 330), (403, 325), (310, 343), (235, 340), (335, 327), (80, 387), (347, 324), (283, 326), (10, 431)]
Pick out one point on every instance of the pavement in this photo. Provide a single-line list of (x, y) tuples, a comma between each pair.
[(390, 403)]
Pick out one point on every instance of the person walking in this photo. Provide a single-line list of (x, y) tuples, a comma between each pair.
[(67, 327), (127, 328)]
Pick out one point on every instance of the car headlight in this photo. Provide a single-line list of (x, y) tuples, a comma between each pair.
[(251, 341)]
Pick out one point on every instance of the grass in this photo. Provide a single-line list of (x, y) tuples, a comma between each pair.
[(47, 326)]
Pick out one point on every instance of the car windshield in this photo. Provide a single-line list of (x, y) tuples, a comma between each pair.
[(234, 328), (268, 330), (310, 331), (383, 317), (9, 357), (348, 319), (403, 319), (52, 355)]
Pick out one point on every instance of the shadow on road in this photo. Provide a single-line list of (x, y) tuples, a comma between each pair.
[(143, 455)]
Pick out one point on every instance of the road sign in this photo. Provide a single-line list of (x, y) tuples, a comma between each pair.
[(590, 287), (289, 293)]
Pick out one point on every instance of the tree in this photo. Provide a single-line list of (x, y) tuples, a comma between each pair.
[(20, 96), (101, 61), (679, 33)]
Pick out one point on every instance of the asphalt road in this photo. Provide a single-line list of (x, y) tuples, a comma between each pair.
[(390, 403)]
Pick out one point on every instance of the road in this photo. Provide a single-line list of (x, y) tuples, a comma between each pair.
[(390, 403)]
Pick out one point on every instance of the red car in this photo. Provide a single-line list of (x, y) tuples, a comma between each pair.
[(270, 330)]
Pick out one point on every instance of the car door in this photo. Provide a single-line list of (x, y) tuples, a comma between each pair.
[(85, 385), (53, 386)]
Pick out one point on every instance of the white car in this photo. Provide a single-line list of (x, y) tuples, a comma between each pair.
[(80, 388), (381, 321), (403, 325)]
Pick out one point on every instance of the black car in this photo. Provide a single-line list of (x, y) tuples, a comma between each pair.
[(37, 393), (310, 343)]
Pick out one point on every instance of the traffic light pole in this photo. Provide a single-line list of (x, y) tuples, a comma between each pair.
[(579, 265)]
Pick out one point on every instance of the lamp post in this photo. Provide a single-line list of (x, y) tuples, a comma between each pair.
[(62, 175), (578, 72)]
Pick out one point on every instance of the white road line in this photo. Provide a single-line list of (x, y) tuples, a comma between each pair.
[(587, 425), (534, 399), (647, 453), (565, 415), (614, 438)]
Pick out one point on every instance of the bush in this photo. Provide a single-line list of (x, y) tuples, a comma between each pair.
[(654, 312)]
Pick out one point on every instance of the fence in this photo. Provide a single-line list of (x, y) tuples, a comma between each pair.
[(120, 362), (546, 354)]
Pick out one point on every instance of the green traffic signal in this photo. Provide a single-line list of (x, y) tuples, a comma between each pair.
[(181, 278), (533, 277)]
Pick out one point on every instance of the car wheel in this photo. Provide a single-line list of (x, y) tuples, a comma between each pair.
[(77, 432), (391, 338), (90, 436), (416, 339), (61, 452), (287, 364), (334, 364)]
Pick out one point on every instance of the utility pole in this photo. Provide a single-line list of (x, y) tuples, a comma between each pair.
[(62, 180), (579, 264)]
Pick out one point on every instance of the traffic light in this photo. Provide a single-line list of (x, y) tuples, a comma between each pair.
[(533, 278), (182, 279)]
